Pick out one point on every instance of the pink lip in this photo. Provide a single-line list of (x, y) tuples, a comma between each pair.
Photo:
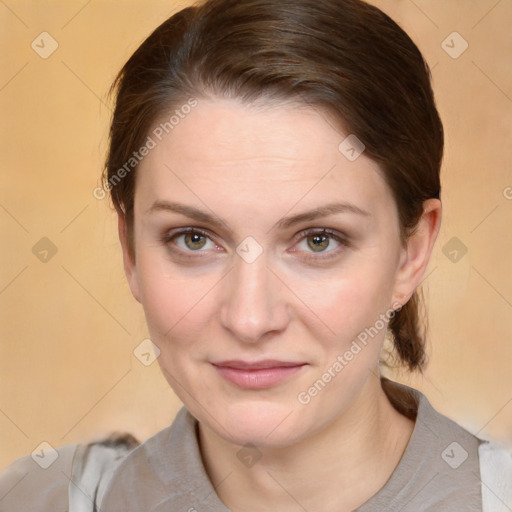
[(257, 375)]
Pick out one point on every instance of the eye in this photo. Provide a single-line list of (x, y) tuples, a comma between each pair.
[(319, 242), (316, 243), (189, 240)]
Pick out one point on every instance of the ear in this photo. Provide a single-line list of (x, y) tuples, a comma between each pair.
[(414, 257), (129, 264)]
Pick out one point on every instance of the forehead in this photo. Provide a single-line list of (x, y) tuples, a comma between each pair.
[(220, 131), (249, 156)]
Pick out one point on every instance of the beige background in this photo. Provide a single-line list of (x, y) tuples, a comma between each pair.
[(69, 325)]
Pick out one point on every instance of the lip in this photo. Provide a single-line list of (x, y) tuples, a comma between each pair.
[(257, 374)]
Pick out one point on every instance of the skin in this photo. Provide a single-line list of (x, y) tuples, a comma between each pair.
[(252, 165)]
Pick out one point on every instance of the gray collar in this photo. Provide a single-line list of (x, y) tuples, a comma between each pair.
[(167, 473)]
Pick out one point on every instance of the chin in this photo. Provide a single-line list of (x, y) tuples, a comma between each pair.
[(261, 423)]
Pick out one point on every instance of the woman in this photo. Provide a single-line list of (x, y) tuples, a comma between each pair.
[(275, 170)]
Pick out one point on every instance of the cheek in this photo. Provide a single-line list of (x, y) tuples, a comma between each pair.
[(334, 304), (172, 302), (348, 300)]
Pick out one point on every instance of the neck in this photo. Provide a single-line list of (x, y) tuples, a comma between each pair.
[(337, 469)]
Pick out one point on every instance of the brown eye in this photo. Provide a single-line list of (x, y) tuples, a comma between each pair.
[(194, 241), (186, 242), (318, 242)]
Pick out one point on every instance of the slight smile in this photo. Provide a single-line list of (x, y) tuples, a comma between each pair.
[(257, 375)]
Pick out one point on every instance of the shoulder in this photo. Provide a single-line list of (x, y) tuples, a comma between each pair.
[(496, 476), (440, 466), (473, 466), (94, 465), (72, 477), (38, 482), (164, 471)]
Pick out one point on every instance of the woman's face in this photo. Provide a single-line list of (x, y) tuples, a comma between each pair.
[(253, 282)]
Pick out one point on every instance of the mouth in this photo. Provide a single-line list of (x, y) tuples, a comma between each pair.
[(257, 374)]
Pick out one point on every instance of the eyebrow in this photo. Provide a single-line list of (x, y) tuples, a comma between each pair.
[(284, 223)]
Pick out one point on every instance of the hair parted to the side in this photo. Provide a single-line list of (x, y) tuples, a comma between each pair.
[(344, 56)]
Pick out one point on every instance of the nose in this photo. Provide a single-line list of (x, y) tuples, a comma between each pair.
[(253, 301)]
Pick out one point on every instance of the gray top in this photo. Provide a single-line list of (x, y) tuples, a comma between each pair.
[(439, 471)]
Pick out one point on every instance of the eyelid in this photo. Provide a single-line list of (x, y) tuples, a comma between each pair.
[(341, 238), (169, 236)]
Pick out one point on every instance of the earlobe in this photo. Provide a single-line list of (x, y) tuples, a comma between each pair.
[(130, 266), (415, 256)]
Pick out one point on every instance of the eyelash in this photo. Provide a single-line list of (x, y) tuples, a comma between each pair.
[(167, 238)]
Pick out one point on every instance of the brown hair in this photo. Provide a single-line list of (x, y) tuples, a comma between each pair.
[(344, 56)]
